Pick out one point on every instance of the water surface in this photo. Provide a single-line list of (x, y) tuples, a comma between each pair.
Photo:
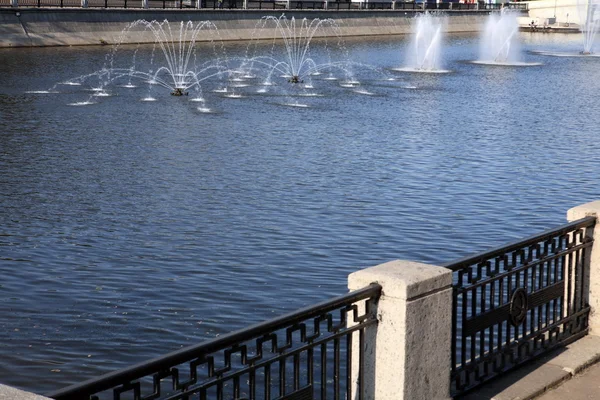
[(131, 228)]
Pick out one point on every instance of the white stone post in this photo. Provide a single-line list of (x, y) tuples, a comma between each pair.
[(14, 3), (84, 3), (407, 354), (593, 292), (393, 4), (145, 3), (199, 4), (326, 5)]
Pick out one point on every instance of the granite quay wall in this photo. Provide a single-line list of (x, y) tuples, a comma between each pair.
[(23, 27)]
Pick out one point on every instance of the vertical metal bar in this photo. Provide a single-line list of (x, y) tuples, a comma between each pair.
[(236, 387), (463, 349), (577, 282), (474, 334), (336, 369), (282, 377), (569, 284), (361, 363), (454, 324), (500, 303), (323, 371), (219, 390), (310, 367), (349, 367), (252, 382), (268, 382), (296, 372), (508, 293), (482, 332)]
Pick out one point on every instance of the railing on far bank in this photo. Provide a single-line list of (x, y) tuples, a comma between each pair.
[(261, 4), (519, 301), (300, 356)]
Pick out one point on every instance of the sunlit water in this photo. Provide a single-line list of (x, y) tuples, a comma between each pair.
[(130, 227)]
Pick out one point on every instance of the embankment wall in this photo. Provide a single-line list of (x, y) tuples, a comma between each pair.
[(71, 27)]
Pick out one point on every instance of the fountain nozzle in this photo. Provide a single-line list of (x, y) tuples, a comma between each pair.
[(179, 92), (295, 79)]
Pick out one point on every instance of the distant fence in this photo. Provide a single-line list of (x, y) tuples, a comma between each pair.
[(262, 4)]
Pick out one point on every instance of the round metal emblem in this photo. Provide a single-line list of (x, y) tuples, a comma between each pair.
[(518, 306)]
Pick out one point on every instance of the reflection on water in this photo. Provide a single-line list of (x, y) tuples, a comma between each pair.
[(144, 222)]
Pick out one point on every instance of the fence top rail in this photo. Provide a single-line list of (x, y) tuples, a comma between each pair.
[(177, 357), (466, 262)]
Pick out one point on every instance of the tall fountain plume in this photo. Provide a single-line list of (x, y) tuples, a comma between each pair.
[(500, 44), (425, 49), (591, 24)]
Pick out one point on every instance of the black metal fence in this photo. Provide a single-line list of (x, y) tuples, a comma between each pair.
[(265, 4), (300, 356), (519, 301)]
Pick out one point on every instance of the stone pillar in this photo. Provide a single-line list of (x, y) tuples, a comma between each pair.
[(14, 3), (393, 4), (407, 355), (145, 3), (591, 210), (84, 3)]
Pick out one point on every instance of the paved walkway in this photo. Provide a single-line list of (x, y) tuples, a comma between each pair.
[(585, 386), (562, 374)]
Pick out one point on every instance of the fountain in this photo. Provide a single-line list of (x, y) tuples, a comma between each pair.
[(590, 26), (425, 49), (296, 62), (589, 17), (179, 70), (177, 64), (499, 42)]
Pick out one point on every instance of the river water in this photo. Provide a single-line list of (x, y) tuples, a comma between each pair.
[(129, 229)]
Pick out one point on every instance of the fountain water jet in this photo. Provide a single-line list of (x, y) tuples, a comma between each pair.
[(499, 41), (424, 53), (590, 26)]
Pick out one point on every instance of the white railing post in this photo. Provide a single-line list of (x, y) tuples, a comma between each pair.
[(406, 356), (145, 3), (593, 281), (84, 3)]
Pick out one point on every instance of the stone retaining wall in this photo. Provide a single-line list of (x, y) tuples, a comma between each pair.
[(70, 27)]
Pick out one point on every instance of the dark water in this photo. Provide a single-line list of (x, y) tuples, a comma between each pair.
[(129, 228)]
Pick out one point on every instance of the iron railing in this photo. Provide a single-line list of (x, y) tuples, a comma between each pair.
[(303, 355), (263, 4), (514, 303)]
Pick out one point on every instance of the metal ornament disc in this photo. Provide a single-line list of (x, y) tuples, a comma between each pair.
[(518, 307)]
